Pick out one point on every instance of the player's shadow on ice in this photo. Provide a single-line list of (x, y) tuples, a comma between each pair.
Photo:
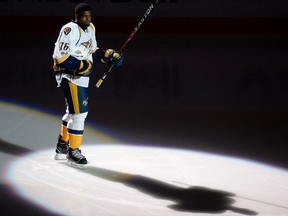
[(192, 199)]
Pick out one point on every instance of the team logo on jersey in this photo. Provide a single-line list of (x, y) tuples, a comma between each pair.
[(67, 30), (87, 44)]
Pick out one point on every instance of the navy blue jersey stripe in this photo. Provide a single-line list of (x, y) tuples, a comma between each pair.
[(71, 63)]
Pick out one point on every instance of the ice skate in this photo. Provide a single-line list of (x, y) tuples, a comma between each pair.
[(61, 149), (76, 159)]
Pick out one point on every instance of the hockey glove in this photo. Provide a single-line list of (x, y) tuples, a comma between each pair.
[(74, 66), (113, 57), (86, 67)]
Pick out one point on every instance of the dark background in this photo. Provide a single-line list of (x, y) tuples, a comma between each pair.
[(210, 83), (207, 81), (212, 79), (215, 83)]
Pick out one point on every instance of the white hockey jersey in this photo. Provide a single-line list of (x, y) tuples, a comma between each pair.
[(71, 39)]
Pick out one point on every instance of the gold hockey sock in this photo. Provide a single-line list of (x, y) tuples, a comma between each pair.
[(75, 140), (64, 132)]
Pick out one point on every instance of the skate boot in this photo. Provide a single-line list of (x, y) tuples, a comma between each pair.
[(61, 149), (76, 159)]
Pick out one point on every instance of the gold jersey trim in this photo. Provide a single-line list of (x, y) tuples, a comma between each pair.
[(61, 59)]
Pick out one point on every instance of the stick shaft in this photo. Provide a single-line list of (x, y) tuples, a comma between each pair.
[(131, 36)]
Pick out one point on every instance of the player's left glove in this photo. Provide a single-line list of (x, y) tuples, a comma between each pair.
[(113, 57)]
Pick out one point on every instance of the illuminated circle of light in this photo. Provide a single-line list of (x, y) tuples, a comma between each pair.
[(121, 179), (137, 180)]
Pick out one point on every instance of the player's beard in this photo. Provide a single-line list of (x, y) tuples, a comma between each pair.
[(86, 23), (83, 25)]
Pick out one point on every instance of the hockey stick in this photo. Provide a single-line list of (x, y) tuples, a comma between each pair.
[(131, 36)]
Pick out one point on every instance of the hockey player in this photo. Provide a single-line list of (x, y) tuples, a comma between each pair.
[(74, 54)]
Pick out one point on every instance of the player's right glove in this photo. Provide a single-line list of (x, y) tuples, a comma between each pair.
[(74, 66), (85, 68), (113, 57)]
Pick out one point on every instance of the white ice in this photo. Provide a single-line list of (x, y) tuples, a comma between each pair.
[(134, 180)]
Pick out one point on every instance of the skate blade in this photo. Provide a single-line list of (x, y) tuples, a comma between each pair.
[(59, 156), (75, 165)]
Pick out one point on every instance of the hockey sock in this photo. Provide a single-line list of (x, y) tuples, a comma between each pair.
[(75, 138), (76, 129), (64, 131)]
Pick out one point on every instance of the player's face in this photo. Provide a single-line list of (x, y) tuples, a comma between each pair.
[(85, 18)]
